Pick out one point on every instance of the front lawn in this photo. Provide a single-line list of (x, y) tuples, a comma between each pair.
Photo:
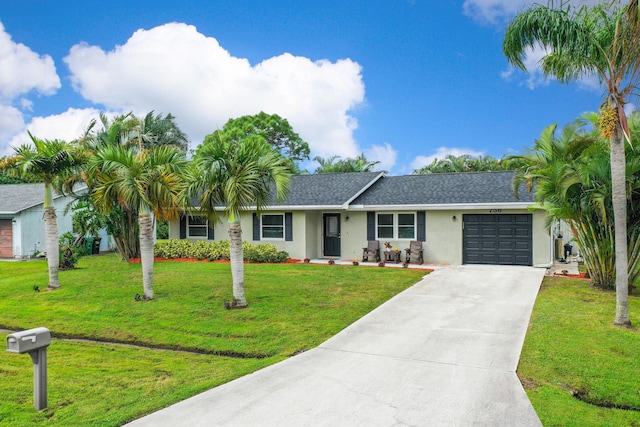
[(579, 369), (292, 308)]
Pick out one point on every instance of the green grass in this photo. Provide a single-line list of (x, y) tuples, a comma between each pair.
[(577, 367), (292, 308)]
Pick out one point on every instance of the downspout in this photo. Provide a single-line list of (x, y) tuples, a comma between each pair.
[(550, 263)]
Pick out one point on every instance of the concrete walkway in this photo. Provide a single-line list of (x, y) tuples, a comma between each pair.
[(442, 353)]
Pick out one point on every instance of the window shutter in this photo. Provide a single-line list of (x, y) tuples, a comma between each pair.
[(210, 231), (256, 227), (421, 230), (183, 226), (371, 226), (288, 226)]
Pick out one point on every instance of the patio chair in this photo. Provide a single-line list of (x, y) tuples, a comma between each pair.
[(415, 252), (372, 250)]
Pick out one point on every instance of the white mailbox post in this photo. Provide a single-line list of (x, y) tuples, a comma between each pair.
[(35, 342)]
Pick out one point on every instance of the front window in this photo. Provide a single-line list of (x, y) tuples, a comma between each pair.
[(197, 227), (396, 226), (273, 226), (406, 226), (385, 226)]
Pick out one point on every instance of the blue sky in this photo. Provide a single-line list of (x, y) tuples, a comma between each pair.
[(403, 81)]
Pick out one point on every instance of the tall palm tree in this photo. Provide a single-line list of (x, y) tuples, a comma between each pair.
[(135, 134), (236, 177), (597, 41), (51, 162), (150, 181)]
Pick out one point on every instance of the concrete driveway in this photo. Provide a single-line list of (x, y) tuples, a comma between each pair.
[(442, 353)]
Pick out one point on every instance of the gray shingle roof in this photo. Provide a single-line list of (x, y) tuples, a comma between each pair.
[(15, 198), (445, 188), (332, 189)]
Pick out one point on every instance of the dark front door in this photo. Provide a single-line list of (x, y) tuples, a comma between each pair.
[(331, 233), (498, 239)]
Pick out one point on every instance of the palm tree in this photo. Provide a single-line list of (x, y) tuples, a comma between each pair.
[(136, 134), (597, 41), (335, 164), (51, 162), (148, 182), (235, 177)]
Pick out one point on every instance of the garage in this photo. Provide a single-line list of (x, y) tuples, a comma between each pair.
[(6, 239), (499, 239)]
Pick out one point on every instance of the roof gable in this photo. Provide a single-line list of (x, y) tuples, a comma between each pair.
[(331, 189)]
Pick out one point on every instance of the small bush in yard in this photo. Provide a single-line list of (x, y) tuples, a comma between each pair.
[(218, 250)]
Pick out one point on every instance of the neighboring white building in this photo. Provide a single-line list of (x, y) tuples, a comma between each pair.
[(22, 223)]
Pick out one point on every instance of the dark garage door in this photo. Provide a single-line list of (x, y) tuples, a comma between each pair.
[(498, 239)]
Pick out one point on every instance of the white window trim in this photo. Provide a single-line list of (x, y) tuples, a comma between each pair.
[(205, 225), (396, 226), (262, 225)]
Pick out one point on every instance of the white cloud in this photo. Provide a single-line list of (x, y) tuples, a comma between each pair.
[(497, 12), (66, 126), (385, 154), (175, 69), (441, 153), (493, 11), (11, 122), (535, 76), (24, 70)]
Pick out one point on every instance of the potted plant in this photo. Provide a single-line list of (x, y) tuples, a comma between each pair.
[(387, 246)]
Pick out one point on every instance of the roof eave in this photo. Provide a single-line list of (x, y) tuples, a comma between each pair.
[(448, 206)]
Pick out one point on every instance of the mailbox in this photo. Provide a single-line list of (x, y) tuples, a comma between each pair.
[(35, 342), (29, 340)]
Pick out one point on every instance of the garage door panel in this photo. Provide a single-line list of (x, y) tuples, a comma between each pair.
[(6, 238), (503, 239)]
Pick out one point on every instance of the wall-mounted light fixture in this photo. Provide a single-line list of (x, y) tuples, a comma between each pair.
[(454, 218), (13, 221), (346, 218)]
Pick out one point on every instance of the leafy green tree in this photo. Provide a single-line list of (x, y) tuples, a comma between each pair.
[(238, 176), (275, 130), (148, 182), (51, 162), (602, 41), (335, 164)]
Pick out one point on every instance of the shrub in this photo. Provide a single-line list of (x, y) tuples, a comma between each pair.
[(70, 251), (218, 250)]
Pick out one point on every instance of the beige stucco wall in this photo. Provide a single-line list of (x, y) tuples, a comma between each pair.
[(296, 248), (354, 235), (443, 244), (445, 239)]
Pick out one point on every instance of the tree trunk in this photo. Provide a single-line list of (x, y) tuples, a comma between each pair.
[(237, 264), (146, 254), (619, 201), (53, 246)]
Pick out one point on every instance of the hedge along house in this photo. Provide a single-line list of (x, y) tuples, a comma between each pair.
[(461, 218)]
